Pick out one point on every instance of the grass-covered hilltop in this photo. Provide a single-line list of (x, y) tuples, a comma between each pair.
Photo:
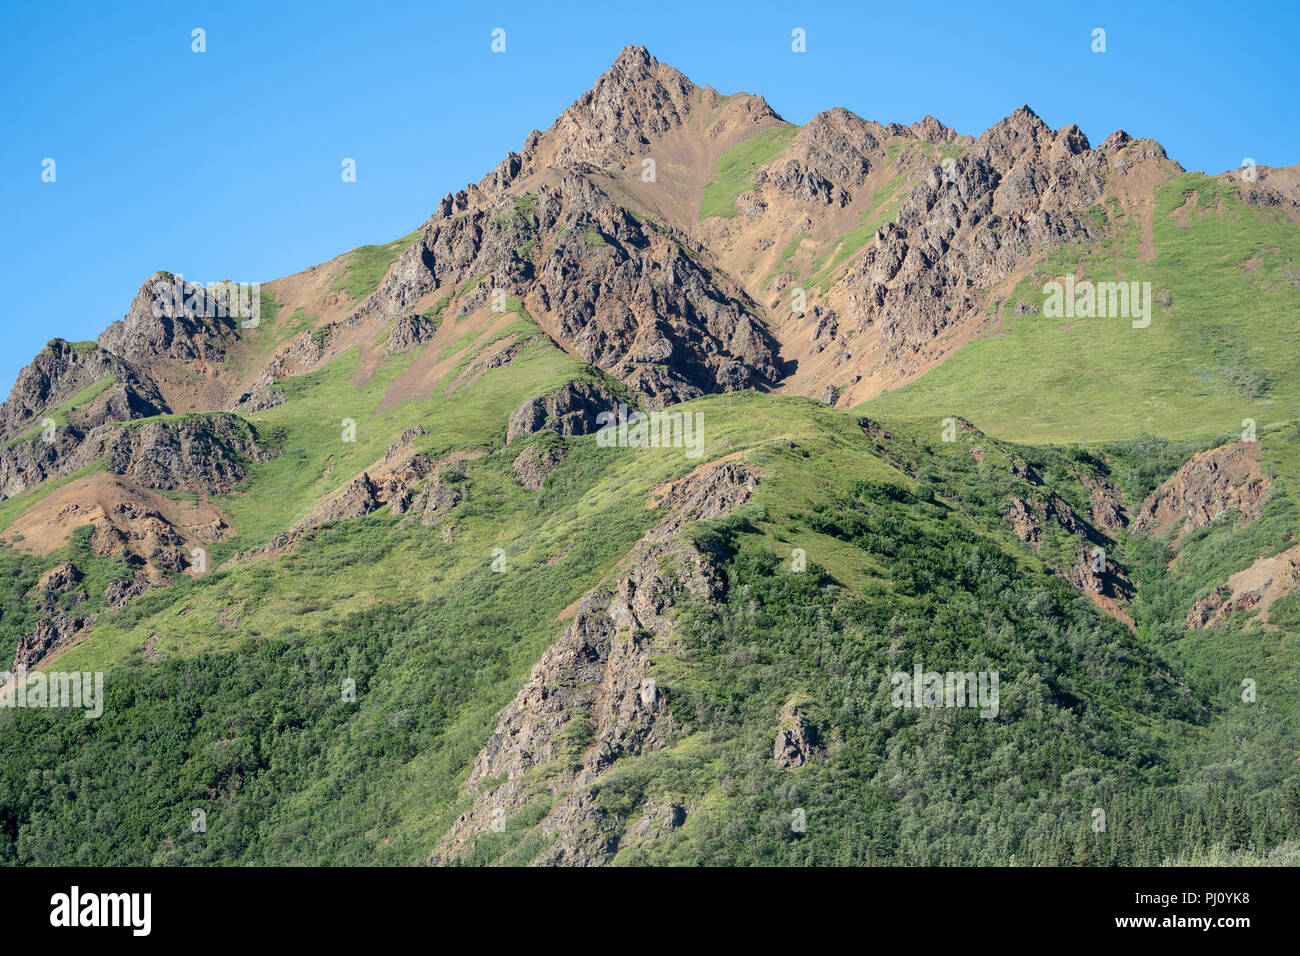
[(367, 583)]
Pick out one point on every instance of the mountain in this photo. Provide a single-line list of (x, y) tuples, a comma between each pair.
[(368, 583)]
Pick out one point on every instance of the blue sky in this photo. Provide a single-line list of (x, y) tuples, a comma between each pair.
[(226, 164)]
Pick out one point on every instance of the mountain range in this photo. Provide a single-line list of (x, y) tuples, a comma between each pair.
[(368, 584)]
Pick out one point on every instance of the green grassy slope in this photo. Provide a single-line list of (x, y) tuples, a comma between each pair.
[(1224, 349), (245, 719), (736, 169), (367, 266), (226, 692)]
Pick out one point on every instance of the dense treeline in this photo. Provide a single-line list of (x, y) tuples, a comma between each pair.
[(1091, 723), (1144, 731), (265, 741)]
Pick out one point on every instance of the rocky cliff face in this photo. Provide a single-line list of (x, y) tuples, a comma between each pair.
[(207, 453), (593, 698), (573, 409), (628, 296), (60, 372), (633, 104), (1019, 190), (1224, 481), (174, 318), (624, 271)]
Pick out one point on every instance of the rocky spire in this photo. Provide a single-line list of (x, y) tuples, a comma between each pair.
[(635, 100)]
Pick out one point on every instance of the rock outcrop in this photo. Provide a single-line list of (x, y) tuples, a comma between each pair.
[(57, 628), (1254, 589), (63, 370), (50, 634), (204, 453), (635, 102), (409, 332), (797, 739), (572, 409), (593, 698), (1092, 568), (1018, 190), (434, 501), (174, 318), (536, 463), (1224, 481), (631, 298)]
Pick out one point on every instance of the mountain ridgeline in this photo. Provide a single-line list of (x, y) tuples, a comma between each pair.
[(918, 568)]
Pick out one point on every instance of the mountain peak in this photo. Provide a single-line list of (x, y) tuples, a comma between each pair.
[(1022, 129), (636, 99), (632, 56), (932, 131), (636, 72)]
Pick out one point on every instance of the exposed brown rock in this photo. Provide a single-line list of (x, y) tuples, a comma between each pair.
[(174, 318), (1222, 481), (1024, 520), (796, 739), (1257, 587), (138, 534), (50, 634), (408, 333), (593, 698), (208, 453), (1108, 508), (434, 501), (1094, 571), (535, 464), (60, 579), (59, 372), (569, 410), (357, 499)]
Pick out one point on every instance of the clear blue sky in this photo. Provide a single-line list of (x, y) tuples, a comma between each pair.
[(226, 164)]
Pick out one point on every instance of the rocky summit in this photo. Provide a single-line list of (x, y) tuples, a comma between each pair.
[(369, 580)]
